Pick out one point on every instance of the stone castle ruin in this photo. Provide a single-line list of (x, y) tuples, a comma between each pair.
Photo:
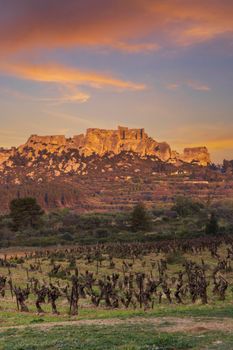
[(129, 134), (103, 141)]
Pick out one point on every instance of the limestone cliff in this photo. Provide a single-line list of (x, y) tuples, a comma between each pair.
[(102, 142), (5, 154), (199, 155)]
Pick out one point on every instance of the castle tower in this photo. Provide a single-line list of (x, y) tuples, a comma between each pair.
[(123, 131), (126, 133)]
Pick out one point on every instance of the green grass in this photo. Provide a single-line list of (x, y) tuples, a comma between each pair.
[(124, 337), (219, 310), (13, 318)]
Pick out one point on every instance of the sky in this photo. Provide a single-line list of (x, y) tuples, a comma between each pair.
[(167, 66)]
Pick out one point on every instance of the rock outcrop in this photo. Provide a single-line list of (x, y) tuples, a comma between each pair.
[(102, 142), (102, 170), (5, 154), (198, 155)]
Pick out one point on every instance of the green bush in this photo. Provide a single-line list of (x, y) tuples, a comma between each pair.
[(185, 206)]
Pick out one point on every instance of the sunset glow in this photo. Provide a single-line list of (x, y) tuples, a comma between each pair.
[(166, 66)]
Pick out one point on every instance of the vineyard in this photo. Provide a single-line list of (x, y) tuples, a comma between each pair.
[(110, 283), (117, 276)]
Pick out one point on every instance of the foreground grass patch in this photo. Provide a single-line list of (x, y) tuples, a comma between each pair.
[(13, 318), (123, 337), (218, 310)]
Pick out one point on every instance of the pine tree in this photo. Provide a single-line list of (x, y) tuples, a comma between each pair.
[(212, 227), (140, 220), (25, 212)]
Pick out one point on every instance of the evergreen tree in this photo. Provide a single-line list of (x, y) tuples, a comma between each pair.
[(186, 206), (25, 212), (212, 227), (140, 220)]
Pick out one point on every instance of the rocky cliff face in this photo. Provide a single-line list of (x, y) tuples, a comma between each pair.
[(198, 155), (102, 142), (5, 154), (101, 170)]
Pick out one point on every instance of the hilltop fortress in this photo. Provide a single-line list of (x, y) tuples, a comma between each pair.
[(102, 141)]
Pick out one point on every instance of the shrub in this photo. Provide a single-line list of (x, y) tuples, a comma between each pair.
[(185, 206), (140, 220), (212, 227)]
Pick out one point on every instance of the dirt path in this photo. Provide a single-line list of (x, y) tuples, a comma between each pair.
[(164, 324)]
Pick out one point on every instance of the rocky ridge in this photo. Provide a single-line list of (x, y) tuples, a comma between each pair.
[(102, 142), (103, 170)]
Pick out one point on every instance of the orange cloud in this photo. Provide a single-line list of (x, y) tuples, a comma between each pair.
[(194, 85), (135, 48), (190, 22), (67, 94), (198, 86), (60, 74), (117, 24), (172, 86)]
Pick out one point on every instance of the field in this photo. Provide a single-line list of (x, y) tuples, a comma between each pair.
[(164, 295)]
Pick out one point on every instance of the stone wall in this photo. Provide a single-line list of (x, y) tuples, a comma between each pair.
[(131, 134)]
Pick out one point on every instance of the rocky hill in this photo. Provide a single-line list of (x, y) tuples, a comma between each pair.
[(101, 142), (101, 170)]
